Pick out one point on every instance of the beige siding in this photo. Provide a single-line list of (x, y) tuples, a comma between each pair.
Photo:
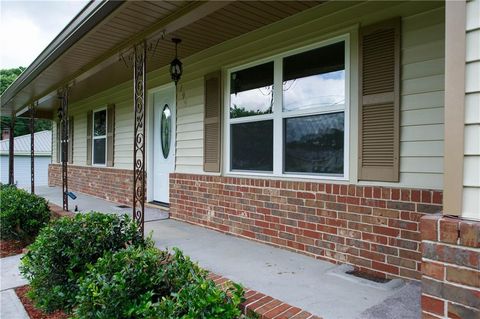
[(422, 83), (189, 155), (121, 96), (471, 170), (421, 100)]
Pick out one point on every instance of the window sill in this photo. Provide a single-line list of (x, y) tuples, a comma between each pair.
[(288, 177)]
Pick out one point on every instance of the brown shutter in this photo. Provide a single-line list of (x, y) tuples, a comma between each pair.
[(70, 140), (58, 143), (379, 110), (212, 122), (110, 134), (89, 137)]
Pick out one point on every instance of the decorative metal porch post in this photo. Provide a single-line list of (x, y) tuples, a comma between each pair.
[(11, 153), (32, 148), (64, 145), (139, 83)]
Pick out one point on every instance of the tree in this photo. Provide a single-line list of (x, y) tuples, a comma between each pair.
[(22, 125)]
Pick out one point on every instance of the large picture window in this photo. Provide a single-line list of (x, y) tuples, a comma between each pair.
[(287, 115), (99, 145)]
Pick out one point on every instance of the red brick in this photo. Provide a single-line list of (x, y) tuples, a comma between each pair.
[(395, 194), (437, 197), (405, 195), (463, 276), (316, 218), (385, 267), (289, 313), (449, 230), (426, 196), (259, 303), (305, 195), (387, 231), (429, 227), (415, 195), (268, 307), (457, 311), (433, 305), (275, 312), (434, 270), (470, 234)]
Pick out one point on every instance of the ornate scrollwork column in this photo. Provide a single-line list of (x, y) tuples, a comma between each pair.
[(63, 96), (139, 84), (11, 151), (32, 147)]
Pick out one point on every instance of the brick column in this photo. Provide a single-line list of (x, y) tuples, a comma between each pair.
[(450, 268)]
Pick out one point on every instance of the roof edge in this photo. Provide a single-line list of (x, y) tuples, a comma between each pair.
[(94, 12)]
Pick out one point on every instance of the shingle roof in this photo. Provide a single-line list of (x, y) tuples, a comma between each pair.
[(43, 144)]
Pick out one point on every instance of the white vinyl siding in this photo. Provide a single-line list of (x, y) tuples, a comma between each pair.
[(22, 170), (471, 169)]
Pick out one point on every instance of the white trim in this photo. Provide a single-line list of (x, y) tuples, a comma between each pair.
[(99, 137), (150, 126), (278, 114)]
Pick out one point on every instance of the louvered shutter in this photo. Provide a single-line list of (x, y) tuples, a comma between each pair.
[(70, 140), (89, 137), (212, 122), (110, 134), (379, 113)]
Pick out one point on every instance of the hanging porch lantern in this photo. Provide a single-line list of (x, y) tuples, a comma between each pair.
[(176, 68)]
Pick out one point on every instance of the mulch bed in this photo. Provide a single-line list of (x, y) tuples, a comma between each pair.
[(11, 247), (33, 312)]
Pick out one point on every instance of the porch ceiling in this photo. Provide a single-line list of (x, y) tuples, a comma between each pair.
[(93, 62)]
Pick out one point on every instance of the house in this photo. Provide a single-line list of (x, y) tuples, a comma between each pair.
[(347, 131), (43, 158)]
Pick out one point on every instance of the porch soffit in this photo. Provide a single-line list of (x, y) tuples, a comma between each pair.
[(94, 62)]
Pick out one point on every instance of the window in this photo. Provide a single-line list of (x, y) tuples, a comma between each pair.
[(287, 115), (99, 147)]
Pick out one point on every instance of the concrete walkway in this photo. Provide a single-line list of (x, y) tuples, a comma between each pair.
[(313, 285), (10, 306), (86, 203)]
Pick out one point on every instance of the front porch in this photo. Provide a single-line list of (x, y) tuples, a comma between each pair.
[(300, 281)]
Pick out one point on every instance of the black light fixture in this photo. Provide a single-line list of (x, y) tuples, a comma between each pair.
[(176, 68)]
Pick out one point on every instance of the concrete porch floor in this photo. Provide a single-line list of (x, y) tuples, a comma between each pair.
[(293, 278), (86, 203)]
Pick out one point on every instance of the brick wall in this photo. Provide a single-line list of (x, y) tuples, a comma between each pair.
[(374, 228), (112, 184), (451, 267)]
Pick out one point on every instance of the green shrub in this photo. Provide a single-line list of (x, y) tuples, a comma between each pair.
[(63, 250), (147, 283), (201, 298), (22, 214)]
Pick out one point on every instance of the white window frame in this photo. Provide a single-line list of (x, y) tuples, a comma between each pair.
[(100, 136), (278, 115)]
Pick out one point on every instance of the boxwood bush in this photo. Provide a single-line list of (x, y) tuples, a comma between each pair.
[(22, 214), (63, 250), (147, 283)]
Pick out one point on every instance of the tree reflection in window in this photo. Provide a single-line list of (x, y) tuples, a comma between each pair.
[(251, 91), (314, 144)]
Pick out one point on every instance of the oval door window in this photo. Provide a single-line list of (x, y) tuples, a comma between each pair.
[(165, 130)]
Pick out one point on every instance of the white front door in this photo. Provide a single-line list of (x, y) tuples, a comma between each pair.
[(163, 161)]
